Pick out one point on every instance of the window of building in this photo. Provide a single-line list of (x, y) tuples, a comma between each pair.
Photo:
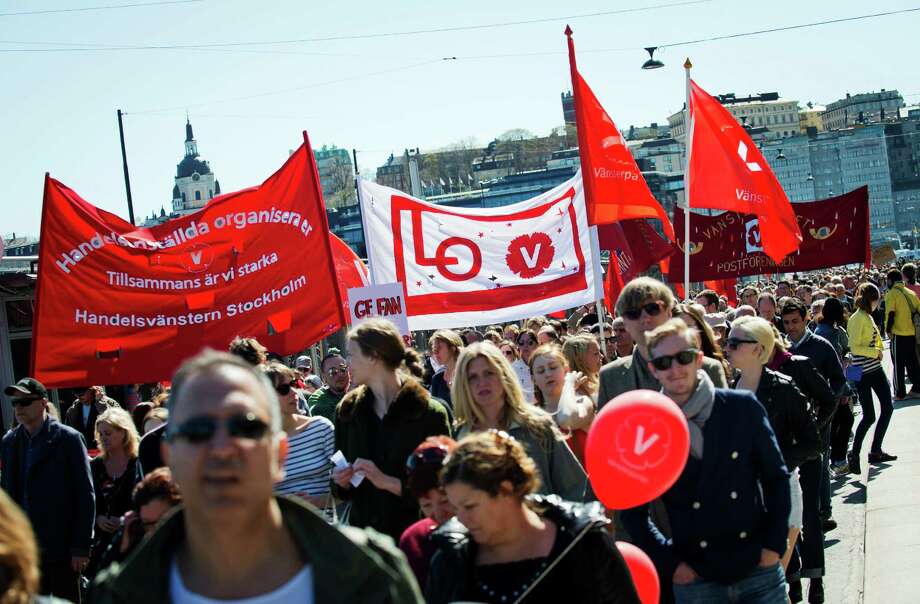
[(197, 195)]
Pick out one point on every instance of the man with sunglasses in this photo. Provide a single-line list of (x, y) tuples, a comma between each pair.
[(337, 378), (234, 540), (46, 472), (729, 508), (644, 304)]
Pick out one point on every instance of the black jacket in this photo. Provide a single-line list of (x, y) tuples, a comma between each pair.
[(824, 357), (790, 418), (726, 507), (61, 505), (813, 386), (412, 417), (594, 566)]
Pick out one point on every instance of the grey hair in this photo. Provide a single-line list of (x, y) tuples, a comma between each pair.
[(209, 361)]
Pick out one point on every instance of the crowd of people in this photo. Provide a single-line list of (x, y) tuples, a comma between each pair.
[(459, 474)]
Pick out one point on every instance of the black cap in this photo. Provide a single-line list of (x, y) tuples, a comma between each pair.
[(27, 386)]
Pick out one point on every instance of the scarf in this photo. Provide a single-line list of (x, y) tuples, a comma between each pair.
[(779, 359), (697, 410)]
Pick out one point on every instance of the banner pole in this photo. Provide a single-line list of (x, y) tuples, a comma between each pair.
[(688, 133), (124, 163)]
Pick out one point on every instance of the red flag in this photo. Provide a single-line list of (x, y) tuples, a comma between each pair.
[(634, 246), (350, 271), (119, 304), (728, 172), (724, 287), (614, 186)]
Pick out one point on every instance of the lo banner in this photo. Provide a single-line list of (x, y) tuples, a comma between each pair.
[(121, 304)]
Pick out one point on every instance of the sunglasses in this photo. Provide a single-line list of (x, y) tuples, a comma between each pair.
[(201, 429), (508, 353), (652, 309), (429, 456), (284, 389), (25, 401), (734, 343), (684, 357)]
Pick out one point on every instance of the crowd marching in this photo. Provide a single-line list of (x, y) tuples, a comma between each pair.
[(386, 475)]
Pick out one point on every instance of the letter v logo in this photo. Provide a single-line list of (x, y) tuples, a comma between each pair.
[(531, 259), (196, 257), (643, 444)]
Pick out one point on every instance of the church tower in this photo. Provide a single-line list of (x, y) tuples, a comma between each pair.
[(195, 183)]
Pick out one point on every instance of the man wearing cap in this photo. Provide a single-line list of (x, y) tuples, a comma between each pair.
[(46, 471), (337, 379), (233, 540)]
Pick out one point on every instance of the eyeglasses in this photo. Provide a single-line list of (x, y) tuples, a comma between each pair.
[(25, 401), (684, 357), (202, 428), (433, 456), (284, 389), (652, 309), (735, 343), (334, 371)]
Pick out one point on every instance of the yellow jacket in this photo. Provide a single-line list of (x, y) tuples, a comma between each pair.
[(896, 301), (865, 339)]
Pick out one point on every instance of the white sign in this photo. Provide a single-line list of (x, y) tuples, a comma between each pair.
[(384, 300)]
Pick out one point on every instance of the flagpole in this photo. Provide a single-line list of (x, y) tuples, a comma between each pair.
[(124, 163), (687, 142)]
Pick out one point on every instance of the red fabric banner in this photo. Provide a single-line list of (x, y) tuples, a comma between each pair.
[(725, 287), (634, 246), (119, 304), (728, 172), (728, 246), (350, 271), (614, 187)]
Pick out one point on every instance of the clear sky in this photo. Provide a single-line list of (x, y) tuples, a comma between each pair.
[(381, 94)]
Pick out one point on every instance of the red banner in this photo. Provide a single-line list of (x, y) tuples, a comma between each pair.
[(119, 304), (634, 246), (835, 232), (350, 271)]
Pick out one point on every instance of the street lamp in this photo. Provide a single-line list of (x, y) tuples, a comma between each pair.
[(780, 154), (810, 178), (652, 62)]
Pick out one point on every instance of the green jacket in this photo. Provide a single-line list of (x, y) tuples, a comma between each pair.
[(323, 403), (349, 565), (412, 417)]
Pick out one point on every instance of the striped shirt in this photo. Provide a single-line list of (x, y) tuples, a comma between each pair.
[(307, 468)]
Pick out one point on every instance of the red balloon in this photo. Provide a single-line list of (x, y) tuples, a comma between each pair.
[(636, 448), (643, 572)]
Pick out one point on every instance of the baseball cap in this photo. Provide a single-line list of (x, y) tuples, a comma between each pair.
[(27, 386), (303, 361)]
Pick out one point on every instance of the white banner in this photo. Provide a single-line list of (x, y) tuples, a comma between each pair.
[(477, 266)]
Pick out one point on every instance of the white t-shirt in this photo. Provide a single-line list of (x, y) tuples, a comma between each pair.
[(299, 589)]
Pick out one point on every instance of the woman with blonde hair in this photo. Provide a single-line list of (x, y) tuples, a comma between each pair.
[(19, 574), (115, 471), (750, 345), (487, 395), (558, 392), (584, 356), (379, 424), (445, 345)]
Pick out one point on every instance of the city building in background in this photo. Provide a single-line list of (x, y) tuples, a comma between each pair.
[(863, 108), (767, 110), (336, 176)]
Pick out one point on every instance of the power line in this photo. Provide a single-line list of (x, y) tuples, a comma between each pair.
[(392, 34), (51, 11), (789, 28), (287, 90)]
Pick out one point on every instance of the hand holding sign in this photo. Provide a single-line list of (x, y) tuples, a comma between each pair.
[(636, 449)]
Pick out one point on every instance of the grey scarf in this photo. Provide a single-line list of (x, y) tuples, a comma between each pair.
[(697, 410)]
